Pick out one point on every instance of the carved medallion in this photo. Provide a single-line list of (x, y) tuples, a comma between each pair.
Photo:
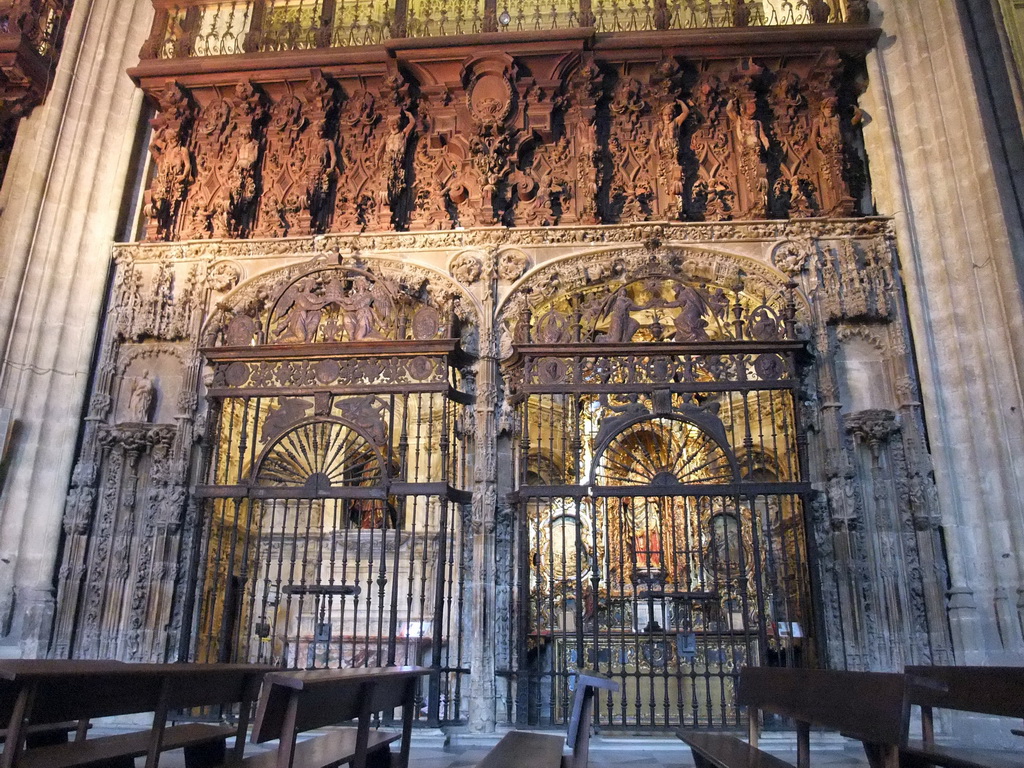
[(241, 331), (421, 368), (490, 99), (236, 374), (426, 323)]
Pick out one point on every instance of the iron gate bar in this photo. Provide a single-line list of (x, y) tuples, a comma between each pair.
[(339, 350), (253, 491), (680, 489)]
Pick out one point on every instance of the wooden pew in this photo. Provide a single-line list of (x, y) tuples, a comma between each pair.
[(545, 750), (985, 690), (38, 734), (57, 691), (295, 702), (868, 706)]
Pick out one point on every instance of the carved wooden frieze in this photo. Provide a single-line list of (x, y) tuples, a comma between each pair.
[(531, 140)]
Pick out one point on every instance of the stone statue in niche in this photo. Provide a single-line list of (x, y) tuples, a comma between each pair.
[(140, 399), (392, 154)]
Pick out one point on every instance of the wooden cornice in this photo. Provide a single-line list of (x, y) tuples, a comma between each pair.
[(373, 60)]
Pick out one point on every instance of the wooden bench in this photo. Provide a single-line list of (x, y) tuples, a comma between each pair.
[(37, 734), (57, 691), (545, 750), (295, 702), (985, 690), (868, 706)]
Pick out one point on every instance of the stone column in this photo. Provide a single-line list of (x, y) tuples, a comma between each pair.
[(485, 478), (932, 169), (59, 210)]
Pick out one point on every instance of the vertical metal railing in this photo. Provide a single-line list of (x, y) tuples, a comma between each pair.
[(225, 27)]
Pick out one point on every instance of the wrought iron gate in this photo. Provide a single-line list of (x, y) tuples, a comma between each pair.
[(334, 519), (659, 503)]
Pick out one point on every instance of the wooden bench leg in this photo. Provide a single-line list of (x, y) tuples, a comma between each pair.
[(882, 755), (206, 755)]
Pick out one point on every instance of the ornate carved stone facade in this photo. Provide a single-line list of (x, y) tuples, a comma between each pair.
[(877, 561)]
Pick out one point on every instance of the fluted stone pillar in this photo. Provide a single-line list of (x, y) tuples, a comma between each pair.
[(932, 169), (59, 209)]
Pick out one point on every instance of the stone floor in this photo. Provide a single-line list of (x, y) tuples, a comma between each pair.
[(433, 750)]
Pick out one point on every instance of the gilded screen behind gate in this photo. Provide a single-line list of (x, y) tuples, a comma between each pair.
[(335, 524), (659, 507)]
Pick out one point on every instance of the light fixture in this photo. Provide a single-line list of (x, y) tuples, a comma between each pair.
[(505, 18)]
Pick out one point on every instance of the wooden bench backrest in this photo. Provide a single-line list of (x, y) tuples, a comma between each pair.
[(329, 697), (988, 690), (126, 690), (578, 735), (869, 706)]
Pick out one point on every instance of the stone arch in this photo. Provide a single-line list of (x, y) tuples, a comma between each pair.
[(610, 265), (702, 288), (248, 310)]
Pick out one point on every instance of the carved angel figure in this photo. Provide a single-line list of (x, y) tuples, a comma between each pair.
[(302, 315), (689, 322), (622, 326), (367, 308)]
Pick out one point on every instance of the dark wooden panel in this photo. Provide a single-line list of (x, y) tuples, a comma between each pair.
[(990, 690), (330, 696), (931, 754), (869, 706), (518, 749)]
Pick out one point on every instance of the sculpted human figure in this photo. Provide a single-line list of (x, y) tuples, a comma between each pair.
[(751, 141), (140, 402), (302, 318), (391, 159), (621, 326), (689, 322), (359, 319), (666, 143)]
